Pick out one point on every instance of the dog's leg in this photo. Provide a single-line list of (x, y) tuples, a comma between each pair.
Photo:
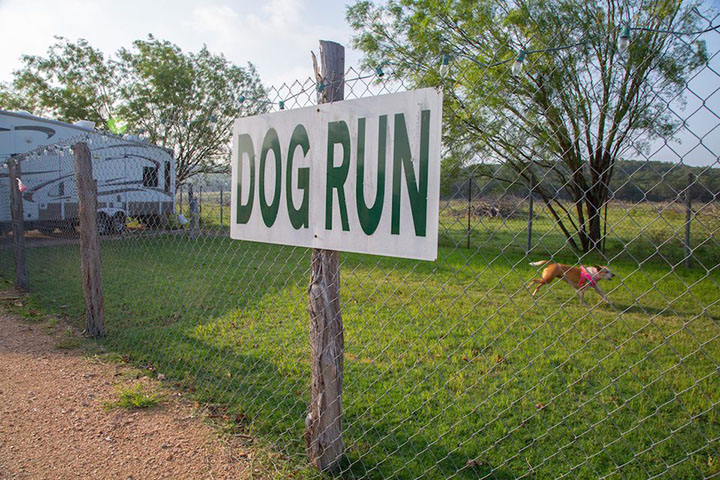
[(599, 291), (581, 296), (540, 283), (546, 279)]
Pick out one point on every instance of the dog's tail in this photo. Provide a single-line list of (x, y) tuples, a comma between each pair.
[(540, 263)]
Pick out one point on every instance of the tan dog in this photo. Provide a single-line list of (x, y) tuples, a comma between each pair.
[(580, 278)]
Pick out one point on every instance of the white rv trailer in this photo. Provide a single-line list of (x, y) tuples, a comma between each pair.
[(134, 178)]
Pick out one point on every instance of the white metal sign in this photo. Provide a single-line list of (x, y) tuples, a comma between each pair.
[(357, 176)]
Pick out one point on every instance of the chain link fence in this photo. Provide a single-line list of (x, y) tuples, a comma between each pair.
[(452, 368)]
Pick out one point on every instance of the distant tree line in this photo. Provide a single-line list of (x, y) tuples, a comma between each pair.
[(633, 181)]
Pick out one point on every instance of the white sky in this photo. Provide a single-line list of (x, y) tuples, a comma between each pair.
[(277, 36)]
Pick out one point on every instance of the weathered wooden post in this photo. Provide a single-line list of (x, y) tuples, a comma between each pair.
[(89, 241), (18, 225), (530, 216), (323, 425), (688, 218)]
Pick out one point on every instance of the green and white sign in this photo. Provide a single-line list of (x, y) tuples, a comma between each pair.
[(357, 176)]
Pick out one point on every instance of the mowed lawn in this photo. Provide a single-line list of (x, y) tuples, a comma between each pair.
[(452, 370)]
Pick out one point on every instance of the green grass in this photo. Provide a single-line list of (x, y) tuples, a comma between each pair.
[(133, 397), (70, 342), (446, 361)]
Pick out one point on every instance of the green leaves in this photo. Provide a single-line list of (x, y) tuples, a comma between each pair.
[(185, 101), (117, 126), (73, 82)]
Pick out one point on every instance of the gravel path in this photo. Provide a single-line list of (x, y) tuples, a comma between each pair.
[(53, 424)]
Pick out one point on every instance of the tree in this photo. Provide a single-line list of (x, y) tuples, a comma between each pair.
[(576, 107), (10, 99), (183, 101), (187, 101), (73, 82)]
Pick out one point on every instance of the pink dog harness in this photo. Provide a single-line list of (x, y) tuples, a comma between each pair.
[(585, 277)]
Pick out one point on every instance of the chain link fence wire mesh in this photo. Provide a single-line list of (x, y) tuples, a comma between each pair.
[(452, 368)]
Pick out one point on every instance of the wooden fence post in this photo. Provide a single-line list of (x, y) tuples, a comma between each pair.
[(323, 425), (89, 241), (18, 225), (688, 218)]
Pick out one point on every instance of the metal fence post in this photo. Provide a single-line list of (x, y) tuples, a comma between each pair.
[(530, 216), (193, 205), (688, 218), (323, 424), (221, 206), (469, 209), (18, 225), (89, 241)]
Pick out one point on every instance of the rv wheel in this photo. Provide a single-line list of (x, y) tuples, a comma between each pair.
[(118, 223), (67, 227), (151, 222), (103, 223)]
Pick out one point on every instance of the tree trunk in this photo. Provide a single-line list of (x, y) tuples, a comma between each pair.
[(595, 198), (594, 226)]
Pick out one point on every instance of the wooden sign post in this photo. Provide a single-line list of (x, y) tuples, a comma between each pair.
[(323, 425)]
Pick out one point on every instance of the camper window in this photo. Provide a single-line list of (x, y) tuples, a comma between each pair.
[(150, 176)]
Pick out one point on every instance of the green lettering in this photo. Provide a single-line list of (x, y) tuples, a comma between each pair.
[(370, 216), (298, 216), (269, 210), (338, 132), (245, 146), (402, 160)]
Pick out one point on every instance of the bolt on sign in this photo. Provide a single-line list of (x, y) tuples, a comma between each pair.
[(357, 175)]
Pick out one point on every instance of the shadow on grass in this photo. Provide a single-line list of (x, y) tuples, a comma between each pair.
[(664, 312), (256, 385)]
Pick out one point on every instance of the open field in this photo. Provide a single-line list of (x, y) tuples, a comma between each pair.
[(446, 362), (641, 231)]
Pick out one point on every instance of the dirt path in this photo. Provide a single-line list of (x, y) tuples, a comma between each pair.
[(53, 423)]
